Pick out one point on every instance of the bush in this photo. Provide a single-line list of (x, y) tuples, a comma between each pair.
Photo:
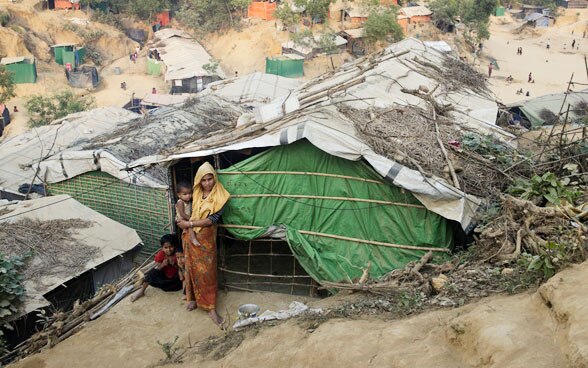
[(4, 18), (382, 25), (44, 110), (107, 18), (11, 291), (6, 85)]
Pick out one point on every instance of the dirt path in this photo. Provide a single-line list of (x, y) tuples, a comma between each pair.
[(551, 69), (542, 329)]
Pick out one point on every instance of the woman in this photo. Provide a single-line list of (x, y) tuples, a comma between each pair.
[(199, 242)]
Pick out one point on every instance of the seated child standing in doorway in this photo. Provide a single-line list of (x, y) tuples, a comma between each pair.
[(164, 275)]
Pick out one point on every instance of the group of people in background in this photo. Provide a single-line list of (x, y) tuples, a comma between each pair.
[(192, 267)]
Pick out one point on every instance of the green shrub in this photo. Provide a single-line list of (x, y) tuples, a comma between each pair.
[(44, 110), (11, 291)]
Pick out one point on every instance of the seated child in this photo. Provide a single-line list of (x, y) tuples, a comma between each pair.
[(184, 206), (165, 274)]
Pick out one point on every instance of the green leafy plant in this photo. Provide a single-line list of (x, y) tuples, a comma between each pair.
[(211, 67), (4, 18), (11, 291), (173, 353), (44, 109), (382, 25), (288, 16), (107, 18), (6, 85), (545, 187)]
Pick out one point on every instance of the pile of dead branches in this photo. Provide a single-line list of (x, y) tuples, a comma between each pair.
[(458, 75), (410, 136), (556, 233), (52, 245)]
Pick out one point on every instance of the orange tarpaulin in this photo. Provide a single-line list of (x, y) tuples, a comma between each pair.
[(64, 4), (163, 17), (261, 9)]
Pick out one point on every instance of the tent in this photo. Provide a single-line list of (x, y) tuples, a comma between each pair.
[(185, 61), (154, 67), (287, 65), (110, 247), (4, 117), (544, 110), (68, 53), (354, 38), (539, 20), (84, 76), (24, 70)]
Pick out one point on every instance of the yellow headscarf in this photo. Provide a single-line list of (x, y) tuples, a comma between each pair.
[(202, 208)]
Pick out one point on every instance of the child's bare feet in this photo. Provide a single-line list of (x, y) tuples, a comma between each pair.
[(137, 294), (191, 306)]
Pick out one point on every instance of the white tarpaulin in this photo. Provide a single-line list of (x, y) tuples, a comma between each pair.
[(183, 57), (18, 153), (112, 238)]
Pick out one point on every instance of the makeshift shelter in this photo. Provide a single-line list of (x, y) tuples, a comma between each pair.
[(355, 15), (325, 168), (439, 46), (499, 11), (23, 70), (154, 66), (63, 4), (574, 4), (153, 100), (137, 35), (184, 60), (354, 38), (163, 17), (417, 14), (262, 10), (98, 252), (312, 47), (539, 20), (94, 171), (286, 65), (546, 110), (4, 118), (253, 89), (84, 76), (68, 53)]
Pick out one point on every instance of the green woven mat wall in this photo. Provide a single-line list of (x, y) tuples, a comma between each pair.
[(144, 209)]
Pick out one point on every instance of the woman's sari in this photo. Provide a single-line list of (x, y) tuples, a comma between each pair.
[(201, 258)]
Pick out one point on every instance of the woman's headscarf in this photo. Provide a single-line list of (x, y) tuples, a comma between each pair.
[(202, 208)]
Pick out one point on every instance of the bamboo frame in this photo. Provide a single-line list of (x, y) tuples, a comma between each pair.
[(264, 275), (297, 196), (301, 173), (339, 237)]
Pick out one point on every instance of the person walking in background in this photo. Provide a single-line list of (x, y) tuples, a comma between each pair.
[(490, 67), (530, 77)]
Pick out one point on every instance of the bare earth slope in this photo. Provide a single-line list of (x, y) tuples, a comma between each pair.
[(543, 329)]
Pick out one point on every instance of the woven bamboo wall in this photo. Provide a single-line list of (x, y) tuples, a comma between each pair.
[(144, 209)]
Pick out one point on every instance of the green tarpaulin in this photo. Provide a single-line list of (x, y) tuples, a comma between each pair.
[(285, 67), (23, 72), (267, 191), (65, 54), (153, 67)]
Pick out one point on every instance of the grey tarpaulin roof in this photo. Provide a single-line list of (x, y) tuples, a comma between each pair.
[(159, 132), (183, 56), (253, 89), (372, 82), (19, 152), (554, 103), (112, 238)]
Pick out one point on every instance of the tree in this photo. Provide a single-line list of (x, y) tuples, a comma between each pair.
[(210, 16), (44, 110), (6, 85), (317, 10), (144, 9), (474, 14), (382, 25), (287, 16)]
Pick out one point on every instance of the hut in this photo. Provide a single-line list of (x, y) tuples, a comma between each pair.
[(163, 17), (68, 53), (354, 38), (93, 251), (262, 10), (539, 20), (403, 22), (574, 4), (85, 76), (355, 14), (4, 117), (185, 61), (417, 14), (286, 65), (499, 11), (63, 4), (301, 167), (23, 69)]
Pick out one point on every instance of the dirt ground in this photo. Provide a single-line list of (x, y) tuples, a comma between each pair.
[(551, 69), (542, 329)]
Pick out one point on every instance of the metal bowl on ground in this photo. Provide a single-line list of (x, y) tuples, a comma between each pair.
[(248, 310)]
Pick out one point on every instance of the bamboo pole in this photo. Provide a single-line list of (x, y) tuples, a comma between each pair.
[(339, 237), (296, 196), (301, 173), (264, 275)]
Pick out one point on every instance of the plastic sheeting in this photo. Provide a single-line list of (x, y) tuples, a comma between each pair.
[(348, 200), (83, 77)]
